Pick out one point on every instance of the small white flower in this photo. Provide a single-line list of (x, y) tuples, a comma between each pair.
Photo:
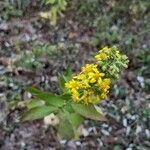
[(51, 119)]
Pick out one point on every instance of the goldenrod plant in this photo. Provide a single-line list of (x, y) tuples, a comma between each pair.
[(79, 94), (57, 6)]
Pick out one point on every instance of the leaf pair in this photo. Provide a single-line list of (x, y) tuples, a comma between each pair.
[(69, 122), (42, 105)]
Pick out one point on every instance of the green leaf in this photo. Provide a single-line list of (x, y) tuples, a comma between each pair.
[(68, 108), (75, 120), (68, 73), (117, 147), (147, 112), (66, 96), (87, 111), (65, 128), (50, 1), (35, 103), (48, 97), (62, 4), (33, 90), (38, 112), (61, 82)]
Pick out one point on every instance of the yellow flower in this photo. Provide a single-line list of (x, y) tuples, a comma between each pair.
[(89, 68), (80, 77), (85, 83), (105, 48), (105, 85), (99, 81), (94, 76), (72, 84), (75, 95), (118, 54), (91, 76), (103, 95), (102, 54), (87, 96)]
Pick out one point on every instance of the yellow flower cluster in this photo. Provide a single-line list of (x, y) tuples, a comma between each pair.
[(89, 86), (93, 82), (104, 53)]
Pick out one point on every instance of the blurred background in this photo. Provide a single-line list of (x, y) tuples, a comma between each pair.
[(40, 38)]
